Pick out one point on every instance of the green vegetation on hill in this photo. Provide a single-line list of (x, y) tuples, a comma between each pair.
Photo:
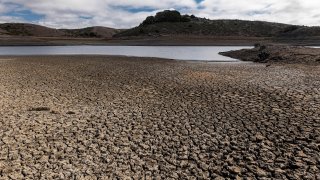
[(91, 32), (166, 16), (173, 23), (85, 32)]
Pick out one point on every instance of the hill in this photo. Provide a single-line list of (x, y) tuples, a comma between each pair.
[(173, 23), (22, 29), (91, 32), (32, 30), (165, 28)]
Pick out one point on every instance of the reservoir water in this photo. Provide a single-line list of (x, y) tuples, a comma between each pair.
[(204, 53)]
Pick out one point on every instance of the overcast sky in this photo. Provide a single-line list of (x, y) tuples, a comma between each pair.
[(129, 13)]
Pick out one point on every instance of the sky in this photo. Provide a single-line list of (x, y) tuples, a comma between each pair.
[(130, 13)]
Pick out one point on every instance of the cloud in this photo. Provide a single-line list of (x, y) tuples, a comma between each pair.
[(5, 19), (286, 11), (129, 13)]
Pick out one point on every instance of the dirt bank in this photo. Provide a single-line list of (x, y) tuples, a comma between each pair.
[(277, 53)]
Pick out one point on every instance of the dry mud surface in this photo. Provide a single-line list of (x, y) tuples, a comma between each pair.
[(99, 117)]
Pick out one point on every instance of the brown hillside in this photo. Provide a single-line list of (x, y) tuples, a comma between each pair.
[(173, 23), (91, 32), (23, 29)]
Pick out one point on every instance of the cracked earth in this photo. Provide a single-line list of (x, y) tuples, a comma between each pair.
[(100, 117)]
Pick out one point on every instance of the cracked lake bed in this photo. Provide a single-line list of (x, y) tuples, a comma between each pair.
[(107, 117)]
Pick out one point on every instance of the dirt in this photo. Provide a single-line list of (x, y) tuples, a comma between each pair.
[(277, 54), (103, 117)]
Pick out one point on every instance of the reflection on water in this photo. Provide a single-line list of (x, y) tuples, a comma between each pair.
[(207, 53)]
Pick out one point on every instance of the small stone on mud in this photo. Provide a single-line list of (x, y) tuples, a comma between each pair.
[(54, 112), (71, 112), (39, 109)]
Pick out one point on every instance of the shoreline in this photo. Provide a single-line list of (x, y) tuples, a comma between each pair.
[(277, 54), (155, 41), (152, 44), (122, 56)]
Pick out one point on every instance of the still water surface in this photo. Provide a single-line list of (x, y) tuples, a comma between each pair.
[(204, 53)]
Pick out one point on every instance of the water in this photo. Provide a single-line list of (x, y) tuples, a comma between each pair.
[(204, 53)]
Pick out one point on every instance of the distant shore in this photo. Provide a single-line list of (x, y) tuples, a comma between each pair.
[(154, 41), (277, 54)]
